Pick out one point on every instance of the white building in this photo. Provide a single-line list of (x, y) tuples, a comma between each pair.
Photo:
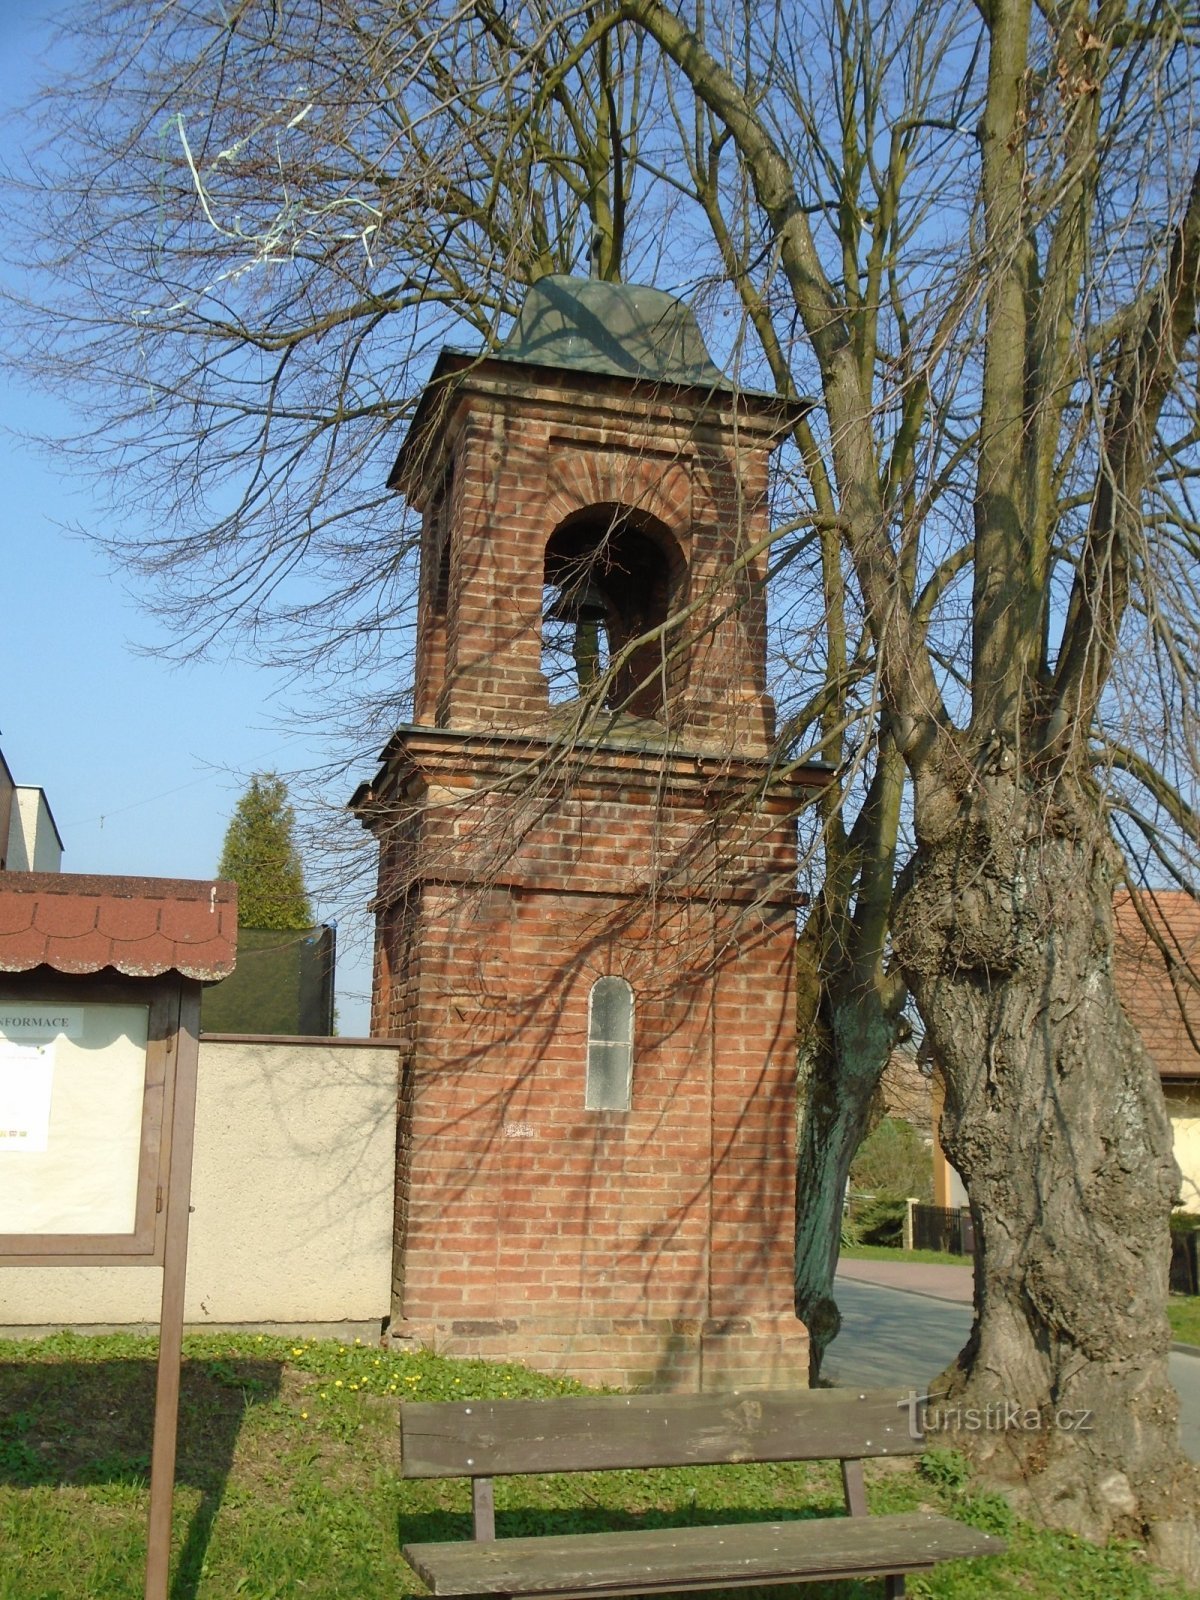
[(29, 837)]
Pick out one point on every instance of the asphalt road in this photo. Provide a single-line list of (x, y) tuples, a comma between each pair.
[(890, 1337)]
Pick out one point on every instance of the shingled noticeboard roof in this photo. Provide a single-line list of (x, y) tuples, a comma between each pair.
[(141, 927)]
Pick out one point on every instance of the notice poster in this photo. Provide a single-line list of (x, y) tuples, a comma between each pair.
[(26, 1087), (72, 1084)]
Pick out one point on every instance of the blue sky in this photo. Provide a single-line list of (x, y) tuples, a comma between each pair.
[(142, 762)]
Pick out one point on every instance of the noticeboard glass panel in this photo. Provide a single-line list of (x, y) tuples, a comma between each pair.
[(73, 1085)]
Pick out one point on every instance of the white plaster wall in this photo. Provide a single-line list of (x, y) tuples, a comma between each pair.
[(956, 1189), (1183, 1107), (292, 1189), (33, 844)]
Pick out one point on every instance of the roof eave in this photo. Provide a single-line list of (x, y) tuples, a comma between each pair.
[(452, 364)]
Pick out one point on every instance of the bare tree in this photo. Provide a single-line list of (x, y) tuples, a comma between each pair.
[(971, 232)]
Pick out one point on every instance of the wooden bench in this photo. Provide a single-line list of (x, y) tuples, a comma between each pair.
[(484, 1439)]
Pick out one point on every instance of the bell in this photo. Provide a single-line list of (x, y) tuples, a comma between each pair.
[(576, 602)]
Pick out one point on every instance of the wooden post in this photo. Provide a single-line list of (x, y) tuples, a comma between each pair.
[(483, 1506), (854, 1488), (186, 1044)]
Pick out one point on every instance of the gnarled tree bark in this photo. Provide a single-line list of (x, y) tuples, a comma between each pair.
[(1055, 1119)]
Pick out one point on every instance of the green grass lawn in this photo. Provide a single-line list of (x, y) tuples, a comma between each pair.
[(1184, 1312), (883, 1252), (288, 1483)]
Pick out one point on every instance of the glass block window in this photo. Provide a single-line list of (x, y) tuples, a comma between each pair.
[(610, 1046)]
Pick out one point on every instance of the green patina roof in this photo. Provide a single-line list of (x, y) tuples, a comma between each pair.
[(621, 329), (584, 325)]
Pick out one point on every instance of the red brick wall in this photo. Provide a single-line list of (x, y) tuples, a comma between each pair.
[(652, 1245), (522, 1203), (649, 1246), (509, 471)]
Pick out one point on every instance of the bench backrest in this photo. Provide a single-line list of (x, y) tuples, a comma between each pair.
[(595, 1433)]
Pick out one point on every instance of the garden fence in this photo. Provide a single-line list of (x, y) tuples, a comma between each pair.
[(947, 1228)]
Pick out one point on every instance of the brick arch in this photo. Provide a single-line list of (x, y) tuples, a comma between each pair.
[(645, 483), (612, 516)]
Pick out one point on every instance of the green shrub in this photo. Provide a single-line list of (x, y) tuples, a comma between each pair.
[(989, 1511), (947, 1469), (893, 1160), (851, 1232), (879, 1219)]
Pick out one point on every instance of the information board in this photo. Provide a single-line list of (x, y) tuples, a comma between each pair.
[(72, 1083), (87, 1086), (97, 1110)]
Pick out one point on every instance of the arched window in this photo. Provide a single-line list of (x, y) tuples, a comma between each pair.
[(609, 578), (610, 1046)]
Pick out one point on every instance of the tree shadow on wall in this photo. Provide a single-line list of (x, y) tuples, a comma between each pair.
[(91, 1423)]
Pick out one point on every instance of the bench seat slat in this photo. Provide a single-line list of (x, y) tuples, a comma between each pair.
[(664, 1559), (492, 1438)]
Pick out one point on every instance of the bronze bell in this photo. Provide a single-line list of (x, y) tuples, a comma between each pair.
[(582, 605), (577, 602)]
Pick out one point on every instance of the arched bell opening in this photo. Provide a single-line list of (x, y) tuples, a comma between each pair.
[(611, 576)]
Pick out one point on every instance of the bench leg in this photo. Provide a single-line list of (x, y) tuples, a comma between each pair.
[(894, 1587)]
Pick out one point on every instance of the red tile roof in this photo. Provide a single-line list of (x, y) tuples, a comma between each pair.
[(137, 926), (1158, 975)]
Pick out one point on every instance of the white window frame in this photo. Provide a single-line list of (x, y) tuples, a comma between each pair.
[(593, 1100)]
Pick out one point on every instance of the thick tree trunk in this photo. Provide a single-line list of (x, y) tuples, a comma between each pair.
[(1055, 1118), (845, 1044)]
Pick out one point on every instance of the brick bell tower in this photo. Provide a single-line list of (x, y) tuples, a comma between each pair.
[(586, 909)]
